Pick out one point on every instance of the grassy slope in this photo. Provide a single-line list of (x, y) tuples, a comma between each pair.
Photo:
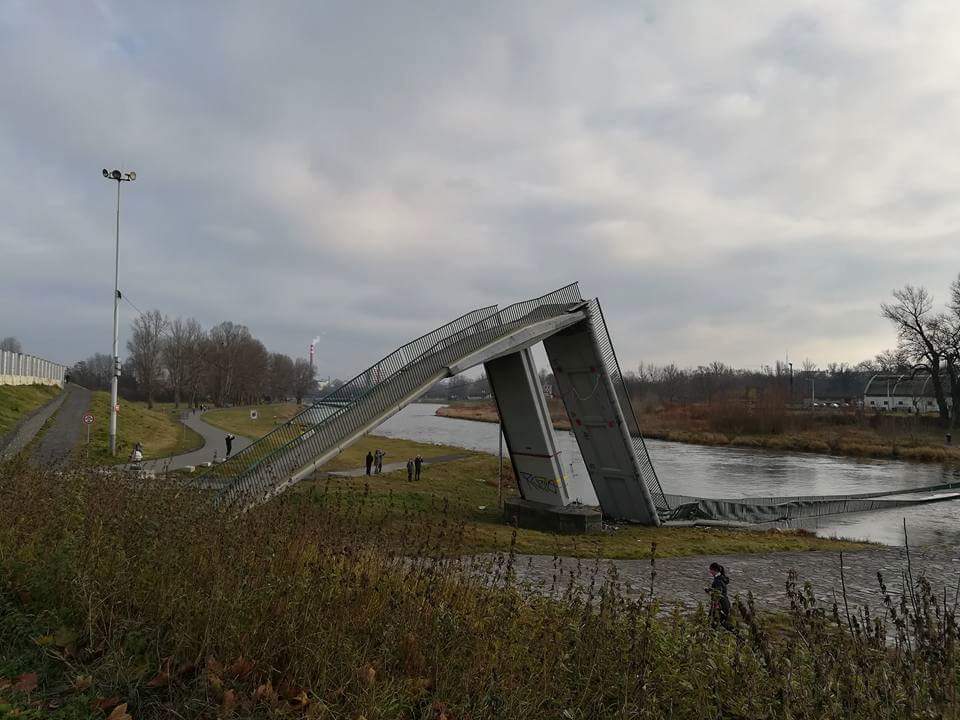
[(159, 430), (16, 401), (465, 491), (237, 420), (848, 441)]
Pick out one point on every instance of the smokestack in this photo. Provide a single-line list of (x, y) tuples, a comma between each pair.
[(313, 344)]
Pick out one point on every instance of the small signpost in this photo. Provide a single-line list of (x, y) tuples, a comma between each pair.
[(88, 421), (253, 415)]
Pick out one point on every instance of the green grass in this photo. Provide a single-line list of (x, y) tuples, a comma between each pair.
[(237, 420), (465, 492), (17, 401), (159, 430)]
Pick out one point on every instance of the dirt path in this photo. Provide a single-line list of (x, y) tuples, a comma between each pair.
[(213, 447), (59, 440)]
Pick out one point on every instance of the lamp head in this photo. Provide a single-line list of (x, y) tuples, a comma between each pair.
[(131, 175), (106, 174), (115, 175)]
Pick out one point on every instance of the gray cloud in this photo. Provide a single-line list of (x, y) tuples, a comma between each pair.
[(733, 181)]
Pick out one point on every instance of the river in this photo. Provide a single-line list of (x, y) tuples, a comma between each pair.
[(724, 472)]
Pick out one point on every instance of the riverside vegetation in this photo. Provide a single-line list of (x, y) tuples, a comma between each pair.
[(124, 598), (769, 426)]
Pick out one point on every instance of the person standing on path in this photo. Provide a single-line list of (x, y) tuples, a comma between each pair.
[(229, 441), (378, 461), (417, 462), (719, 598), (410, 470), (369, 461)]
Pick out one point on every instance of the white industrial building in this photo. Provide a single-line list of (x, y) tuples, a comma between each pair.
[(903, 393)]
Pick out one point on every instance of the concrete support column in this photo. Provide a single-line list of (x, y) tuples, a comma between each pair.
[(527, 428), (598, 424)]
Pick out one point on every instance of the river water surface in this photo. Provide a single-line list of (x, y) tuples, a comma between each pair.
[(724, 472)]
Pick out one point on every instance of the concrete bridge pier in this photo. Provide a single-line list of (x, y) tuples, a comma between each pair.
[(599, 424), (527, 428), (528, 431)]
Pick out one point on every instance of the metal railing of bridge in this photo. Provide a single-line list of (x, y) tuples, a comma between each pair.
[(648, 473), (252, 474)]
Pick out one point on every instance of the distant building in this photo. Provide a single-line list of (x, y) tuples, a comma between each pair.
[(903, 393)]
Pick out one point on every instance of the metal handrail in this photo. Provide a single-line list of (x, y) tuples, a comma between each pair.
[(281, 461), (242, 458)]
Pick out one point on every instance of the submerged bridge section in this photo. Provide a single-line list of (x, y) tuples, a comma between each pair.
[(581, 354)]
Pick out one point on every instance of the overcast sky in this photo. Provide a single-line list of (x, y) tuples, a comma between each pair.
[(734, 180)]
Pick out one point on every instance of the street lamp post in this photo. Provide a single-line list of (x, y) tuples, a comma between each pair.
[(119, 177)]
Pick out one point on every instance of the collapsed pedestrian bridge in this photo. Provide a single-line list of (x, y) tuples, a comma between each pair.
[(578, 346)]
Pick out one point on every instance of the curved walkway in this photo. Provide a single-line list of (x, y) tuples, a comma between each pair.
[(213, 448)]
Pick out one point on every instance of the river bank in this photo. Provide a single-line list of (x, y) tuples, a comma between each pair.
[(842, 440)]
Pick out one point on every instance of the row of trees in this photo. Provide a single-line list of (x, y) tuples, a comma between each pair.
[(179, 360)]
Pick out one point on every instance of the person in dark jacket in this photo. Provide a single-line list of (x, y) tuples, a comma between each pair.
[(719, 597), (417, 463), (410, 470), (229, 442), (369, 461)]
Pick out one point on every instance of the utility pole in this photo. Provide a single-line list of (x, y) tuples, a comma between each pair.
[(119, 177)]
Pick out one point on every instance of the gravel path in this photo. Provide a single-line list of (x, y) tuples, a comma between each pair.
[(682, 580), (58, 442), (28, 428)]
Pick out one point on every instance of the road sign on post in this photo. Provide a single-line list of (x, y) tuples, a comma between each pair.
[(88, 421)]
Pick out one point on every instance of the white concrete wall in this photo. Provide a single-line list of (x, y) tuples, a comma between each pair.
[(23, 369)]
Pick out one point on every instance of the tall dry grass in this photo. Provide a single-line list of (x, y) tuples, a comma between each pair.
[(318, 606)]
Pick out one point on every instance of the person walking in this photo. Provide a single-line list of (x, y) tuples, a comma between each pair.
[(719, 597), (378, 461), (136, 457), (369, 461), (410, 470), (229, 441), (417, 462)]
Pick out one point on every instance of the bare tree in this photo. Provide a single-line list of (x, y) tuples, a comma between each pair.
[(221, 355), (93, 373), (177, 351), (304, 381), (280, 376), (11, 344), (922, 335), (251, 371), (145, 347)]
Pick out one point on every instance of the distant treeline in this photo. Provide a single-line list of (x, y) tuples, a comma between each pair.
[(180, 361)]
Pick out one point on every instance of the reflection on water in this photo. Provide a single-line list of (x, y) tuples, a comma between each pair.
[(737, 472)]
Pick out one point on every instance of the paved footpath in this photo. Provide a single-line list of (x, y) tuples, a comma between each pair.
[(682, 580), (57, 443), (213, 446)]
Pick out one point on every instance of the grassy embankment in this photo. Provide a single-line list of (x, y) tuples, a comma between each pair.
[(18, 401), (342, 605), (465, 491), (237, 419), (159, 430), (828, 433)]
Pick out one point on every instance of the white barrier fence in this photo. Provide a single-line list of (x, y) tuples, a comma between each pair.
[(23, 369)]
